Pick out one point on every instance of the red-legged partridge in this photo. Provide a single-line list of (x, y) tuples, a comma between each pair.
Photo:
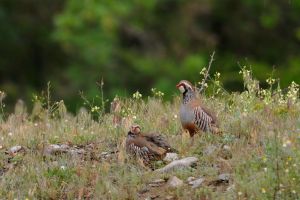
[(194, 116), (148, 147)]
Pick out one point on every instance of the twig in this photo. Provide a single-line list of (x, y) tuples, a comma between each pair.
[(207, 72)]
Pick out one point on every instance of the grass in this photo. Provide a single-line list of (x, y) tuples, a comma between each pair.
[(261, 134)]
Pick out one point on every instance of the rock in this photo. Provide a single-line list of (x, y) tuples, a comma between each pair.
[(191, 178), (75, 152), (226, 147), (174, 182), (157, 183), (15, 149), (55, 148), (197, 183), (154, 196), (209, 150), (224, 177), (171, 157), (104, 153), (178, 164)]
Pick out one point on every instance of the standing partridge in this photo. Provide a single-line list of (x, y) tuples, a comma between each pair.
[(194, 116), (147, 147)]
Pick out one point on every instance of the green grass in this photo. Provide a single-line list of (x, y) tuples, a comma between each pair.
[(261, 131)]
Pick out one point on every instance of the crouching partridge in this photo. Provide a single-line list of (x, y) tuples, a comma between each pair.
[(147, 147), (194, 116)]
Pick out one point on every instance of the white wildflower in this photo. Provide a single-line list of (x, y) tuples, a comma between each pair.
[(137, 95)]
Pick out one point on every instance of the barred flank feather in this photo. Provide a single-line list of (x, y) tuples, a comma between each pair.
[(142, 153), (202, 120)]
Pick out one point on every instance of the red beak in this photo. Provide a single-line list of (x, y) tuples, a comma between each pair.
[(178, 85)]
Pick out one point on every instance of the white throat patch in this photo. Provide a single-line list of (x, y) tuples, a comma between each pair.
[(181, 89)]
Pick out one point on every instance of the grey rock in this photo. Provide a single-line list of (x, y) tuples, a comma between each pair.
[(171, 157), (15, 149), (191, 178), (224, 177), (226, 147), (197, 183), (56, 148), (75, 152), (104, 153), (174, 182), (178, 164)]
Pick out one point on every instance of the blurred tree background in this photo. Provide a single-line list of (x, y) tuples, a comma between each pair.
[(136, 45)]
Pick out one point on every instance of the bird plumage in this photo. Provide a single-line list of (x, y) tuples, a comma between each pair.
[(193, 115), (148, 147)]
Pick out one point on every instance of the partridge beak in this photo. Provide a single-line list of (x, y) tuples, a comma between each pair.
[(178, 85)]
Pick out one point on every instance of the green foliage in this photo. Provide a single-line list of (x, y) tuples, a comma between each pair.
[(139, 45), (148, 45), (62, 174)]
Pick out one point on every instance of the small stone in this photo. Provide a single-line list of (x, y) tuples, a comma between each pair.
[(191, 178), (55, 148), (104, 153), (75, 152), (226, 147), (174, 182), (171, 157), (197, 183), (15, 149), (224, 177), (154, 196)]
